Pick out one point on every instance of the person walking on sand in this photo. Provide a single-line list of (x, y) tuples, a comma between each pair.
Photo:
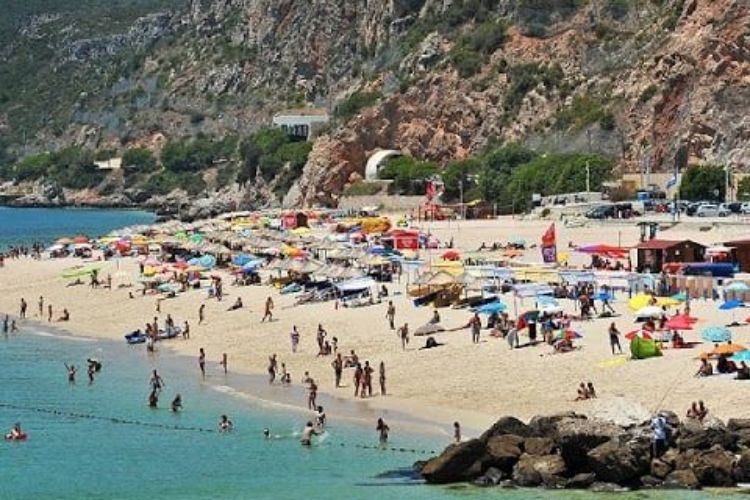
[(614, 338), (202, 362), (382, 378), (383, 430), (186, 331), (272, 368), (403, 333), (201, 314), (49, 313), (268, 314), (391, 315), (312, 395), (476, 328), (338, 368), (366, 380), (41, 306), (357, 379), (294, 335), (23, 308)]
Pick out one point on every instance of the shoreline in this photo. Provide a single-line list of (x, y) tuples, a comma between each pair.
[(253, 388)]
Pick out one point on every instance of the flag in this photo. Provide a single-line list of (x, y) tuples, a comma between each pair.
[(549, 245)]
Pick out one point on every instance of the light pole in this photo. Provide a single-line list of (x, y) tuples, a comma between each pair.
[(588, 182)]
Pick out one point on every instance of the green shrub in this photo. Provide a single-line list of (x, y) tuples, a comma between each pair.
[(354, 103), (362, 188), (409, 176), (165, 182), (138, 160), (467, 63), (703, 182), (32, 167), (584, 111)]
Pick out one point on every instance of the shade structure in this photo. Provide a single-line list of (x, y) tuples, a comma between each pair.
[(451, 255), (716, 334), (604, 251), (642, 300), (492, 308), (680, 322), (726, 349)]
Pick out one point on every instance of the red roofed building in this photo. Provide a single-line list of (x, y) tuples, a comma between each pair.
[(740, 253), (653, 254)]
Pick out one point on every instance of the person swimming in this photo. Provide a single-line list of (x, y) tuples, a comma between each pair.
[(267, 433), (15, 433), (71, 373), (225, 425)]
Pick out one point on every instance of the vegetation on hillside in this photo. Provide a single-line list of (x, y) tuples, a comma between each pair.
[(703, 182)]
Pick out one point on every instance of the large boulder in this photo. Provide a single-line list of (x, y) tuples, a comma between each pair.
[(503, 451), (535, 470), (714, 468), (539, 446), (661, 468), (581, 480), (491, 477), (682, 479), (742, 468), (456, 463), (577, 436), (741, 428), (620, 463), (507, 425), (695, 436)]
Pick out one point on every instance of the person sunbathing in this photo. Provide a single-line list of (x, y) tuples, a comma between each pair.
[(583, 392), (724, 365), (592, 391), (743, 371), (237, 305), (677, 341), (706, 369), (65, 316)]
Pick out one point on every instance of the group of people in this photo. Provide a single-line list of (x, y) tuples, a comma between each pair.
[(723, 365), (586, 391)]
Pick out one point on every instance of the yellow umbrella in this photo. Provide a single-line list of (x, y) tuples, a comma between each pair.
[(667, 301), (639, 301)]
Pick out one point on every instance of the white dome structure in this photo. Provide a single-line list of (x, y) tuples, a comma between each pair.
[(375, 162)]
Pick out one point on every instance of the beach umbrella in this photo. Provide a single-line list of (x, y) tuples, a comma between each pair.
[(727, 349), (639, 301), (64, 241), (741, 356), (716, 334), (731, 304), (667, 301), (80, 239), (644, 334), (649, 312), (451, 255), (679, 323), (520, 242), (440, 279), (737, 287), (495, 307)]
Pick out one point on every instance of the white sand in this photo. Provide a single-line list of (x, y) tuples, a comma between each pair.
[(459, 381)]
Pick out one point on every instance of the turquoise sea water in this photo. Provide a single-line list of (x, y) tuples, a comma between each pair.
[(26, 225)]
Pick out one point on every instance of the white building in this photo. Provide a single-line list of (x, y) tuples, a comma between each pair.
[(301, 122)]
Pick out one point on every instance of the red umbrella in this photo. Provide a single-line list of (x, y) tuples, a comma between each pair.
[(80, 239), (679, 323), (451, 255), (635, 333)]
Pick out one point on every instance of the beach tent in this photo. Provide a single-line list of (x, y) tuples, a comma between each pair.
[(641, 348)]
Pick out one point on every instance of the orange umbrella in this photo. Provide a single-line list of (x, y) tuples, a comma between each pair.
[(80, 239), (726, 349)]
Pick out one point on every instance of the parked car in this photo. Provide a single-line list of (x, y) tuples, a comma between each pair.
[(602, 212), (745, 208), (734, 207), (692, 207), (710, 210)]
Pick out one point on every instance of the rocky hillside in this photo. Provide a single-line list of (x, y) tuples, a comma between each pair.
[(437, 79)]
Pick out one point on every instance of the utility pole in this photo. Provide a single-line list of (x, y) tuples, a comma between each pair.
[(588, 182)]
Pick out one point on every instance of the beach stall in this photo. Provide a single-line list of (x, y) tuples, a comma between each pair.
[(652, 255)]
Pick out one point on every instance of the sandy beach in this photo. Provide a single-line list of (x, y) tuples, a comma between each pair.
[(473, 383)]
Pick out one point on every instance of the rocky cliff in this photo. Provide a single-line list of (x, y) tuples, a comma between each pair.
[(632, 80)]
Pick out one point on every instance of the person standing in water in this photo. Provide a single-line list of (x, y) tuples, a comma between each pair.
[(177, 403), (456, 432), (320, 418), (71, 373), (312, 395), (357, 379), (307, 433), (366, 380), (6, 323), (223, 362), (383, 430), (382, 378), (157, 383), (272, 365), (268, 314), (153, 399), (202, 362)]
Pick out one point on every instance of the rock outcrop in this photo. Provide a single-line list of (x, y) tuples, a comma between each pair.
[(572, 451)]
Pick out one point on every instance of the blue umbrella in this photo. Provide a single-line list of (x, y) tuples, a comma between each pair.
[(741, 356), (716, 334), (731, 304), (491, 308), (738, 286)]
